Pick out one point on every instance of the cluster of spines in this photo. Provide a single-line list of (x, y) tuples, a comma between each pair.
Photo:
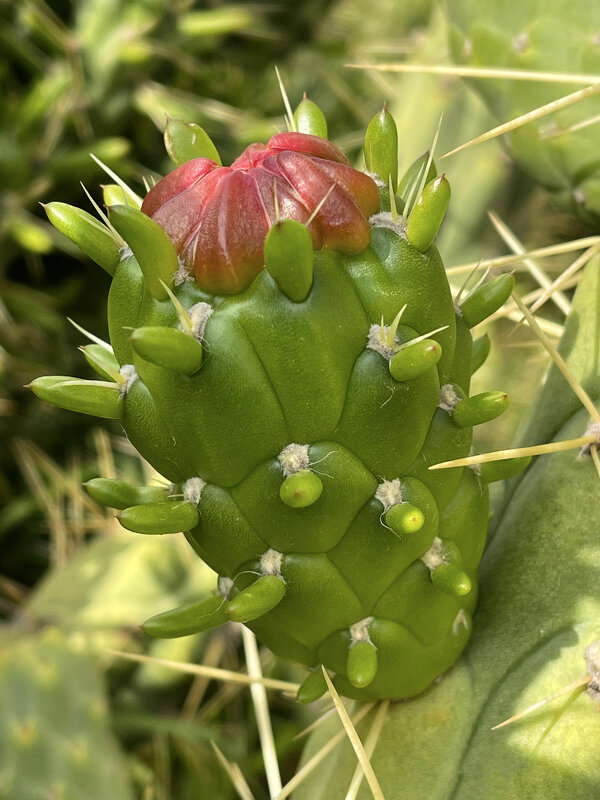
[(151, 510)]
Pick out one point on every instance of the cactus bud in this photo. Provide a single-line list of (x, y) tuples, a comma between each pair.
[(301, 489), (381, 147), (415, 359), (158, 518), (480, 408), (310, 119), (361, 667), (186, 140), (150, 245), (427, 214), (168, 347), (257, 599), (88, 233), (486, 299), (289, 258), (187, 619), (404, 518), (451, 579)]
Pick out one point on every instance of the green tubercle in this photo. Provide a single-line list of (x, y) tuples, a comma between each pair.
[(301, 489), (98, 398), (362, 664), (159, 518), (168, 347), (381, 147), (480, 408), (187, 619), (414, 360), (115, 195), (289, 258), (88, 233), (428, 213), (486, 299), (186, 140), (257, 599), (404, 518), (310, 119), (150, 245)]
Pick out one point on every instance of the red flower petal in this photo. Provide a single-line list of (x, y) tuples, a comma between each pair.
[(218, 217)]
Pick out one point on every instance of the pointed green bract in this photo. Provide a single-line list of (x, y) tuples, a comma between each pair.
[(480, 352), (486, 299), (186, 140), (362, 664), (310, 119), (312, 687), (115, 195), (116, 493), (480, 408), (428, 213), (413, 173), (101, 360), (150, 245), (98, 398), (415, 359), (381, 148), (451, 579), (289, 258), (257, 599), (88, 233), (168, 347), (301, 489), (159, 518), (187, 619)]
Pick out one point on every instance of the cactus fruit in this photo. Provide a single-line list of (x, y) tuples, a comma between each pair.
[(312, 367)]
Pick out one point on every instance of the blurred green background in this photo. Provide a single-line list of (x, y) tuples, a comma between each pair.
[(99, 76)]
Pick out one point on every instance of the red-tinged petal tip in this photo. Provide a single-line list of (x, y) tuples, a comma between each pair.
[(218, 217)]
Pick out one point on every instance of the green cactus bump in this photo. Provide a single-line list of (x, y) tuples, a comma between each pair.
[(275, 360)]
